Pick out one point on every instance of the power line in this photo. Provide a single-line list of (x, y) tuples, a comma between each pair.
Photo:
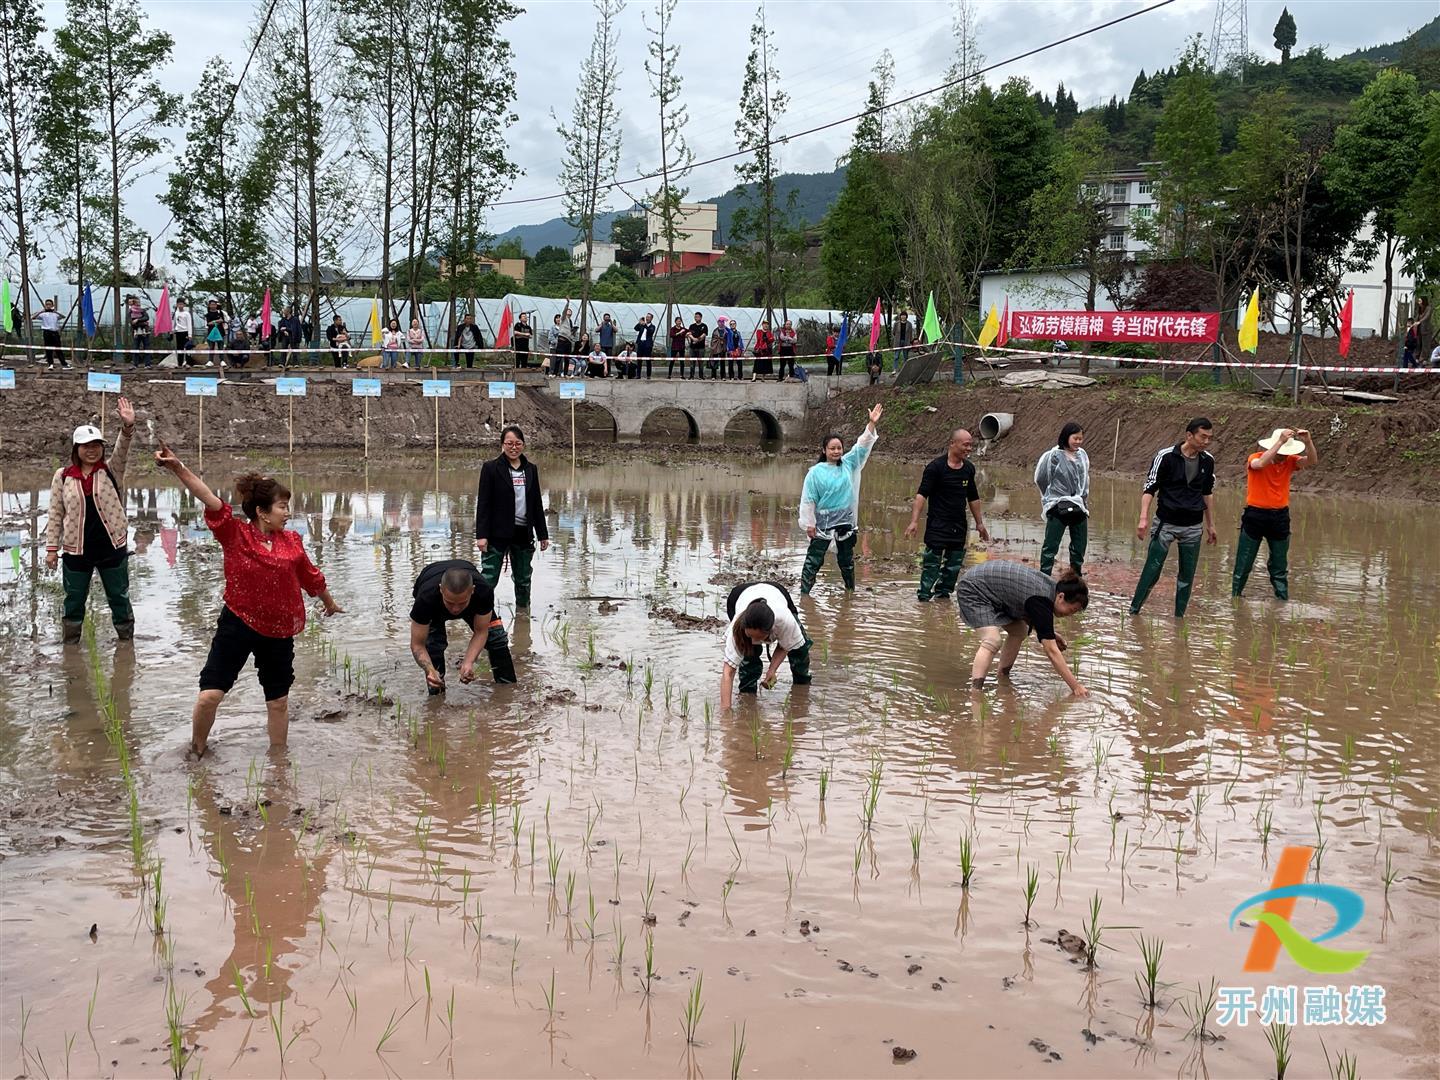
[(864, 112)]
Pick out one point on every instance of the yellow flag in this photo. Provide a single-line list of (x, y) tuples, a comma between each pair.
[(1250, 324), (991, 329), (375, 324)]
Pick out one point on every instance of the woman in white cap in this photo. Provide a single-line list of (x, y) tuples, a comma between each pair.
[(1267, 507), (89, 528)]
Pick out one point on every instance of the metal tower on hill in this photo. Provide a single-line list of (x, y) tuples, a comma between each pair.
[(1230, 38)]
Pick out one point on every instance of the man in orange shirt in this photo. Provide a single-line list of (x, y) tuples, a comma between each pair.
[(1267, 507)]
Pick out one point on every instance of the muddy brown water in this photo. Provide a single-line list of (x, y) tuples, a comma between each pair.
[(459, 887)]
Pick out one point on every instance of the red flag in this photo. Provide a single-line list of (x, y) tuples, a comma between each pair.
[(875, 326), (1004, 335), (1346, 314), (502, 339), (265, 317), (163, 325)]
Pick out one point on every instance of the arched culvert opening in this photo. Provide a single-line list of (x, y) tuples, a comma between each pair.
[(593, 423), (671, 425), (750, 426)]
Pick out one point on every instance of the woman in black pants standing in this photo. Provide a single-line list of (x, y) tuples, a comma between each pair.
[(785, 339)]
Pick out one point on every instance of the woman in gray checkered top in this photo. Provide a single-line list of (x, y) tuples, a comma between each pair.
[(1001, 595)]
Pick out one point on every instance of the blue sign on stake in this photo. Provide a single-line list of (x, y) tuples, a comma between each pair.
[(290, 387), (7, 379), (502, 390), (365, 388), (103, 382), (435, 388), (572, 391), (199, 386)]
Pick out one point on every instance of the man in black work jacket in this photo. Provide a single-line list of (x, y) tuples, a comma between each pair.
[(1182, 479), (510, 515)]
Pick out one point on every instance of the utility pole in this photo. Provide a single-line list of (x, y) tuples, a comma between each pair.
[(1230, 37)]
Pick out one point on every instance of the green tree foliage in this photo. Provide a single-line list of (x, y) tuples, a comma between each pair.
[(762, 221), (1419, 219), (24, 72), (1187, 143), (1374, 158), (73, 196), (117, 56), (217, 194), (627, 233), (662, 68), (1285, 37), (1021, 147), (552, 270)]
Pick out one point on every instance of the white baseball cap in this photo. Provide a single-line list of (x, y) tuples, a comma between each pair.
[(87, 433)]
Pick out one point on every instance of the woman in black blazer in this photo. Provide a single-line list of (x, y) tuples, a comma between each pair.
[(510, 515)]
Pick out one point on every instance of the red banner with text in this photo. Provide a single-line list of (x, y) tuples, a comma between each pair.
[(1199, 327)]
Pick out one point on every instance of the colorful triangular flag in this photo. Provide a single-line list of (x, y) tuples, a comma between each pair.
[(844, 337), (163, 322), (5, 320), (87, 311), (1003, 337), (990, 330), (931, 326), (265, 317), (1347, 315), (1249, 336), (375, 322), (502, 336), (875, 326)]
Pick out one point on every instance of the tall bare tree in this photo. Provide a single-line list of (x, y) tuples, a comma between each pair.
[(761, 219), (592, 139), (118, 57), (73, 199), (663, 68), (24, 72)]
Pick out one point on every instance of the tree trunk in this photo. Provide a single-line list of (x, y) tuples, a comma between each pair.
[(1389, 283), (389, 196), (225, 232), (114, 139), (21, 239), (312, 164)]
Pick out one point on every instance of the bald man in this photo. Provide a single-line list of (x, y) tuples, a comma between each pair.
[(455, 589), (949, 484)]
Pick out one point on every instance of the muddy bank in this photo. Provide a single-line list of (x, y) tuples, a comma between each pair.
[(37, 417), (1384, 449)]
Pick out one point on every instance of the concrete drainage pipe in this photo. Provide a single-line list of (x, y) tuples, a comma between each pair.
[(996, 425)]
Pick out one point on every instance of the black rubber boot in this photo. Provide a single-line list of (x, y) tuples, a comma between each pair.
[(1278, 562)]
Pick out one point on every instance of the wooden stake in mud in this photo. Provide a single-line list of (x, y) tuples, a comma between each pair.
[(102, 416), (366, 404), (290, 423), (1115, 450), (202, 435), (290, 389), (572, 435), (436, 388), (572, 392)]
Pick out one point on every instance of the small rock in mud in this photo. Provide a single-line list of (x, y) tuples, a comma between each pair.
[(1040, 1047), (129, 1040), (750, 933), (846, 966), (805, 927), (592, 707), (1071, 943), (94, 931), (732, 970), (912, 969), (648, 918), (225, 811), (902, 1053), (935, 986), (1091, 1037), (686, 621), (683, 916)]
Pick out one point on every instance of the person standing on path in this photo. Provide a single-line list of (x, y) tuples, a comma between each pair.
[(695, 339), (734, 351), (1182, 484), (761, 613), (510, 515), (414, 345), (88, 526), (719, 355), (181, 327), (645, 342), (1063, 476), (266, 568), (520, 341), (454, 589), (1267, 507), (830, 503), (678, 338), (49, 320), (785, 339), (763, 350), (606, 335), (904, 335), (948, 483), (467, 341), (1003, 595), (392, 341)]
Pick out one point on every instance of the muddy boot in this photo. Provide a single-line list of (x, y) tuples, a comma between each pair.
[(1245, 551), (930, 563), (1050, 546), (845, 559), (1185, 576), (800, 664), (125, 631), (522, 569), (950, 564), (71, 629), (1154, 563), (751, 668), (814, 559), (1278, 562), (497, 647)]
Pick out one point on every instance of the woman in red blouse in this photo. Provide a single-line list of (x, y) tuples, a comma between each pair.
[(265, 569), (764, 347)]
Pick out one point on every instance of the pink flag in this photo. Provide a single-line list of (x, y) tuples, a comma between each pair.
[(875, 326), (265, 317), (163, 325), (1004, 335)]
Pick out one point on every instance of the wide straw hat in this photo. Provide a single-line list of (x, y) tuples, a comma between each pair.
[(86, 433), (1289, 448)]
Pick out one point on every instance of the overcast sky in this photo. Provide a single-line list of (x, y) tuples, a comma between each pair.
[(826, 49)]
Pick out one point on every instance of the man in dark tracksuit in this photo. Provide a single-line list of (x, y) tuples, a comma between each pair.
[(949, 483), (510, 515), (1182, 479), (454, 589)]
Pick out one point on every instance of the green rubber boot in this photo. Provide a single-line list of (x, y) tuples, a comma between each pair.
[(1185, 578), (521, 569), (814, 559), (930, 562), (1245, 551), (1278, 562), (845, 559), (1149, 575), (1050, 546)]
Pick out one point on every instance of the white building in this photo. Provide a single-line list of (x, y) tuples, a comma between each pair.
[(694, 240), (1127, 197), (602, 257)]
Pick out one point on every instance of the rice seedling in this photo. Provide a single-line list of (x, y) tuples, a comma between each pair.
[(967, 860), (737, 1051), (1344, 1067), (175, 1053), (648, 681), (1148, 980), (694, 1008), (449, 1018), (1197, 1009), (824, 781), (871, 797), (393, 1024), (90, 1008), (549, 993), (1093, 931), (552, 858), (649, 961), (277, 1028), (1032, 888), (788, 756), (1390, 874), (916, 834), (1277, 1035), (239, 982), (1264, 821)]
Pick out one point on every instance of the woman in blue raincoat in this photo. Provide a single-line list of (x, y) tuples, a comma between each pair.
[(830, 503)]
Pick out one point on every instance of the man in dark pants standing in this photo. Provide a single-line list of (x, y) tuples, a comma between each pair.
[(949, 483), (454, 589), (1182, 479), (510, 514), (645, 342)]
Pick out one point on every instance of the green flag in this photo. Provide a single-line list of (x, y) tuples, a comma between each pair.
[(15, 558), (5, 319), (932, 322)]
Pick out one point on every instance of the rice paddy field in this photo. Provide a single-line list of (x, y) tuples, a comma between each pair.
[(596, 873)]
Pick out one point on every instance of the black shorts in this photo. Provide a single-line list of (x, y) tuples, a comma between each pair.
[(233, 644), (1261, 524)]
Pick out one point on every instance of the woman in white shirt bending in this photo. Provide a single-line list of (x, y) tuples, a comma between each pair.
[(761, 613)]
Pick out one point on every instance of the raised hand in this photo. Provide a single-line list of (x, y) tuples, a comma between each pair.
[(876, 413), (166, 459), (126, 411)]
